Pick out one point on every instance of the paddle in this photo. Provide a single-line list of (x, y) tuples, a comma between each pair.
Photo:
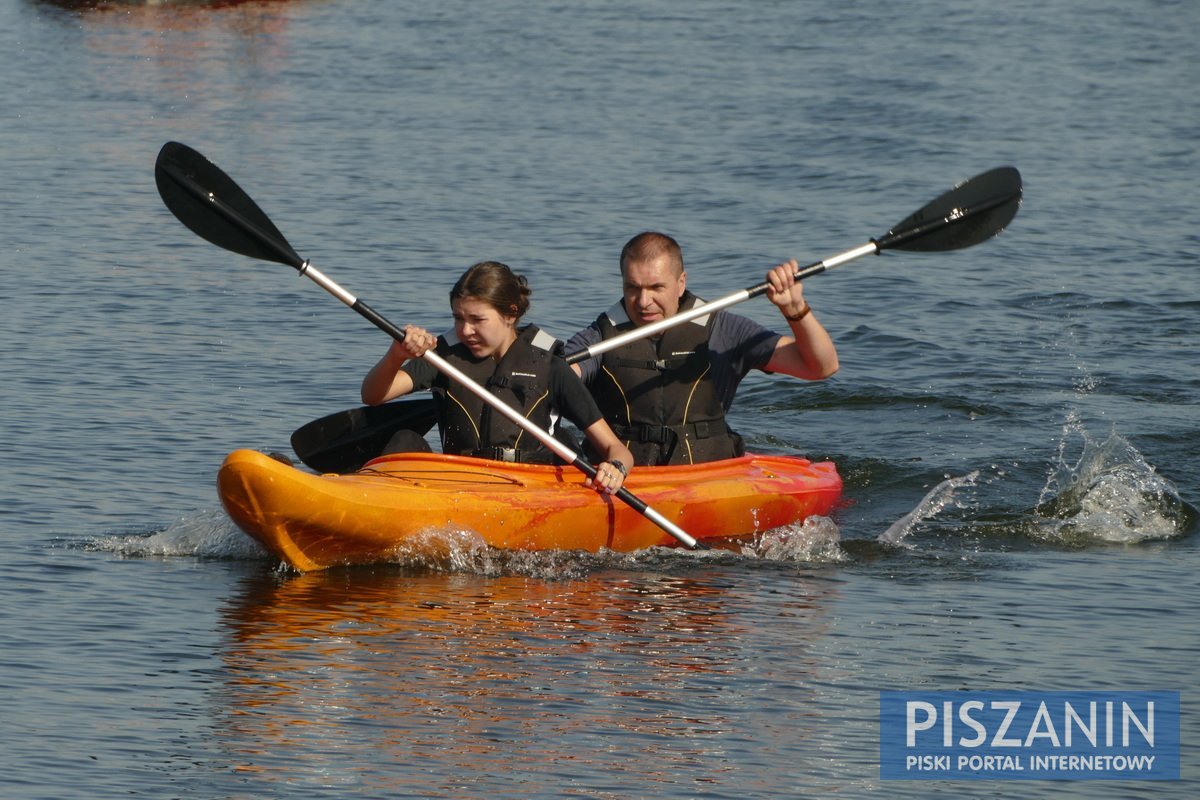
[(970, 213), (208, 202), (345, 440), (973, 211)]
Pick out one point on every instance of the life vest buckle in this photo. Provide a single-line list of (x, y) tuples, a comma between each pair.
[(656, 434), (509, 455)]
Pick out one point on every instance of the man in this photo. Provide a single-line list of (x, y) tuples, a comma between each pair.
[(666, 397)]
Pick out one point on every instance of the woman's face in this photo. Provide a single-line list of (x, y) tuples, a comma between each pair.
[(483, 329)]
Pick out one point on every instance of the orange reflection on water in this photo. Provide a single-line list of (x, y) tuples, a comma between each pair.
[(347, 671), (156, 8), (199, 47), (150, 72)]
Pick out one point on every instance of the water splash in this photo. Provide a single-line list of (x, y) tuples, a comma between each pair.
[(447, 549), (208, 534), (456, 550), (815, 540), (451, 550), (1110, 494), (937, 500)]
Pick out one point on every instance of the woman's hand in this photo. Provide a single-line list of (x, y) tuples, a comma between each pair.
[(416, 342), (387, 379), (610, 473), (610, 477)]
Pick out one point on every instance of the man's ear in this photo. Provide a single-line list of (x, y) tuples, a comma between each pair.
[(682, 282)]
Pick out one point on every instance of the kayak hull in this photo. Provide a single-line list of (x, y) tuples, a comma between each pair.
[(396, 502)]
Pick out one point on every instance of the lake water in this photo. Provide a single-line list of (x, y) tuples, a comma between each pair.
[(1016, 423)]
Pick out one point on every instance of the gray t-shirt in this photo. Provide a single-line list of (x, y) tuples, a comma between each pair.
[(736, 345)]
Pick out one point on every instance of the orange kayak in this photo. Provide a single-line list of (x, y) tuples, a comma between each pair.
[(397, 502)]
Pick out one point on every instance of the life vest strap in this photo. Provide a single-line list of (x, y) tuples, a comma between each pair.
[(664, 434)]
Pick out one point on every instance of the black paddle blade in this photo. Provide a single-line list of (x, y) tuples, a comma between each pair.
[(973, 211), (207, 200), (344, 441)]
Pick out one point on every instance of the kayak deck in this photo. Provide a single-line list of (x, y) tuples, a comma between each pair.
[(315, 521)]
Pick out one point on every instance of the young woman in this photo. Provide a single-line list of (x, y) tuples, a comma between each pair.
[(517, 363)]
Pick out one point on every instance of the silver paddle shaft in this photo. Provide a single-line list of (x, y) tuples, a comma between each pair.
[(705, 308)]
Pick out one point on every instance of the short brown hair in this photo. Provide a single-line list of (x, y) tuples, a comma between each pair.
[(652, 244)]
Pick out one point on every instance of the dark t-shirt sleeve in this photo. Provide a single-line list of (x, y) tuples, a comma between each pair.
[(570, 398), (422, 373)]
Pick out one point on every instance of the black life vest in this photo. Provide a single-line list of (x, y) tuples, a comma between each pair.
[(658, 394), (469, 426)]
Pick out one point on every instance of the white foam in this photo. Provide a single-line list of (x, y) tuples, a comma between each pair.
[(816, 539), (937, 500), (207, 534), (1110, 493)]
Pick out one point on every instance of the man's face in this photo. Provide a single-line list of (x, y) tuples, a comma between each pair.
[(652, 289)]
